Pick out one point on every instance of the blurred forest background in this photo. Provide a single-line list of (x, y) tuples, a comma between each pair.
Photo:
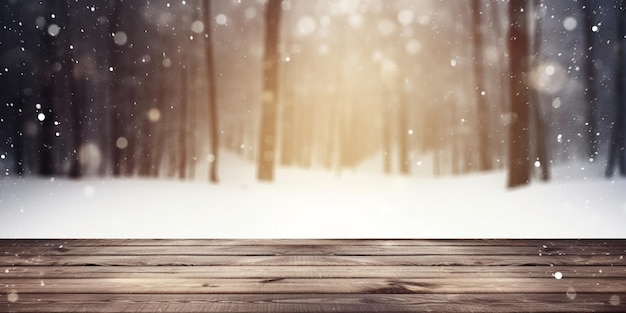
[(157, 88)]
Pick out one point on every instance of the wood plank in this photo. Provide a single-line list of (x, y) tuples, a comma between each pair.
[(296, 303), (326, 242), (219, 275), (312, 260), (69, 249), (310, 271), (312, 285)]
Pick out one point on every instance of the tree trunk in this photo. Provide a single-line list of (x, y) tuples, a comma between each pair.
[(484, 147), (502, 90), (161, 128), (146, 141), (270, 91), (77, 88), (538, 127), (118, 141), (77, 85), (288, 141), (387, 134), (211, 91), (182, 124), (18, 137), (617, 145), (403, 132), (192, 98), (132, 133), (590, 90), (46, 166), (519, 167), (540, 149)]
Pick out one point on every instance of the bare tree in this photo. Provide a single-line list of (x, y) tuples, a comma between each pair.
[(590, 88), (403, 131), (484, 147), (537, 126), (160, 132), (46, 166), (18, 136), (183, 119), (117, 134), (270, 91), (211, 90), (617, 146), (519, 166), (77, 85)]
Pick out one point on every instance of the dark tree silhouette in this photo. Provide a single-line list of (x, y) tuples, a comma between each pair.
[(161, 132), (146, 144), (519, 167), (77, 85), (117, 138), (591, 95), (49, 47), (270, 91), (77, 89), (17, 139), (211, 90), (617, 145)]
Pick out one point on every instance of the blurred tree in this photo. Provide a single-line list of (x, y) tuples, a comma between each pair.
[(118, 140), (498, 87), (404, 149), (17, 139), (536, 123), (77, 79), (158, 118), (183, 119), (519, 166), (270, 91), (483, 114), (617, 146), (590, 88), (49, 47), (148, 130), (211, 90)]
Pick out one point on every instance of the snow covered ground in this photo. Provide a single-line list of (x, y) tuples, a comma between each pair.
[(578, 203)]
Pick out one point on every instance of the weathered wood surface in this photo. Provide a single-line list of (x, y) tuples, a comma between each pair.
[(312, 275)]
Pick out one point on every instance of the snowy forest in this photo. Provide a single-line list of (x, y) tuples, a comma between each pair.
[(336, 118), (160, 88)]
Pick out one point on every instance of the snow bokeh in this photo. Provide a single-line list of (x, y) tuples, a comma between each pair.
[(363, 203)]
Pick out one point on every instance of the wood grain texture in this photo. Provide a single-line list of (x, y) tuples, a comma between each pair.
[(272, 250), (311, 260), (219, 275), (280, 284), (560, 243), (312, 271), (316, 303)]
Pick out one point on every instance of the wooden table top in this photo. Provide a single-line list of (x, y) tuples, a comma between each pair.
[(162, 275)]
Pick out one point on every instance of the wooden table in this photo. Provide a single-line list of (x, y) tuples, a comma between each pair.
[(312, 276)]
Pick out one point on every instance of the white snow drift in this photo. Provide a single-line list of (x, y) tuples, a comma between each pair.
[(578, 203)]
